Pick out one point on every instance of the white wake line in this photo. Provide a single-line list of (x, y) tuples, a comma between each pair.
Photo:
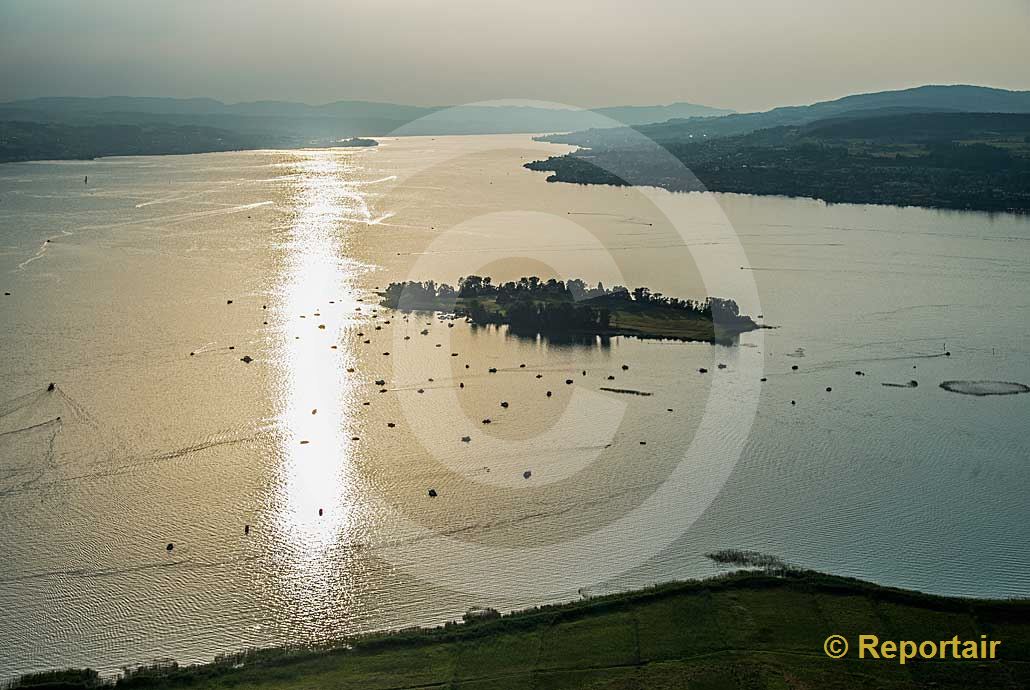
[(222, 185), (149, 221), (380, 219), (173, 199), (179, 216), (38, 255), (365, 183)]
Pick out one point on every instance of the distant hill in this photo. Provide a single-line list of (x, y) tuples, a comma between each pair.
[(642, 114), (925, 99), (303, 124), (25, 141)]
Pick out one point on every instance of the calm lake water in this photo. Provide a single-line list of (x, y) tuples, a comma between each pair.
[(156, 432)]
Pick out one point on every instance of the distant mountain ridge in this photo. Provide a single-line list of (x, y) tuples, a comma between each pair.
[(927, 99), (300, 123)]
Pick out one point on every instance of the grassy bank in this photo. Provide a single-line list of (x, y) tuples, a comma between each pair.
[(741, 631)]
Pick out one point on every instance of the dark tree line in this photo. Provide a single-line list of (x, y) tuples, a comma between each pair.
[(549, 304)]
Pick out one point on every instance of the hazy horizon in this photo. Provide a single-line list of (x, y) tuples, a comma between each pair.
[(751, 57)]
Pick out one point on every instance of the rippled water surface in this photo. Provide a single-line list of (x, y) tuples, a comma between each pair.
[(157, 434)]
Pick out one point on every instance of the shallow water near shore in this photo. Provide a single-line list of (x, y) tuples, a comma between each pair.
[(157, 434)]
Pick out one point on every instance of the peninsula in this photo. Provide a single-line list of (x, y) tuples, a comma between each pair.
[(531, 305), (967, 161)]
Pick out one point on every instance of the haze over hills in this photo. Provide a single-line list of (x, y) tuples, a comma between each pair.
[(931, 98), (299, 123), (93, 127)]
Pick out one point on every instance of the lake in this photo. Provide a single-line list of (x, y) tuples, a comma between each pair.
[(137, 286)]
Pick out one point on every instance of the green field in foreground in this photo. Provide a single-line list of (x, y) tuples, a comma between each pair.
[(740, 631)]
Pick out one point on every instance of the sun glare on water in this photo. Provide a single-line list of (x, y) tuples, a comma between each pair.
[(315, 499)]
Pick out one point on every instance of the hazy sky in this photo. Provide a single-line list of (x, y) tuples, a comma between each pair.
[(747, 54)]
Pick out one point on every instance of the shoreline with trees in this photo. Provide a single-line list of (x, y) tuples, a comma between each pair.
[(959, 161)]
